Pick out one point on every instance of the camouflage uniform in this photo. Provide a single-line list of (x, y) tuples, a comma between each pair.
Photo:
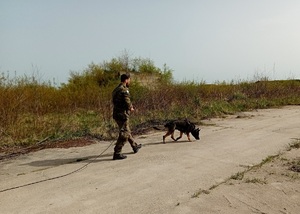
[(121, 111)]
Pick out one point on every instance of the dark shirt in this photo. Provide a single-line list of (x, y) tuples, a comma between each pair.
[(121, 101)]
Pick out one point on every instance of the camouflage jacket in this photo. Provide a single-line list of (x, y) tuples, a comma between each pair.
[(122, 103)]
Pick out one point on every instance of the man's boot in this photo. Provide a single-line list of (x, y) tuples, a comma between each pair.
[(119, 156), (137, 148)]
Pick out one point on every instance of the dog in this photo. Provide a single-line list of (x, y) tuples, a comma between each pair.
[(184, 126)]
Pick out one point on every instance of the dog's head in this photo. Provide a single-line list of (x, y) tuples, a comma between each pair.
[(196, 133)]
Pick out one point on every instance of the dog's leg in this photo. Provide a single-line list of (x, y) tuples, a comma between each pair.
[(180, 136), (188, 136), (166, 135), (172, 136)]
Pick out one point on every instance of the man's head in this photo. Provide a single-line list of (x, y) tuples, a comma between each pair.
[(125, 78)]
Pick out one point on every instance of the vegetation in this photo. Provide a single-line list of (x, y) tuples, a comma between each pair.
[(31, 110), (200, 192)]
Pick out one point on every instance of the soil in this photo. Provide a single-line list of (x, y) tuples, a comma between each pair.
[(245, 163)]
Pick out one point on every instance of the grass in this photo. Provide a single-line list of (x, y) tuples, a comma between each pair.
[(266, 160), (238, 176), (200, 192), (31, 111), (295, 144), (255, 180)]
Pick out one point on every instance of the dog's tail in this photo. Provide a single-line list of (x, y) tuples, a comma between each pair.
[(156, 128)]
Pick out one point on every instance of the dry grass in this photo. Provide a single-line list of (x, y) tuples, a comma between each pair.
[(31, 111)]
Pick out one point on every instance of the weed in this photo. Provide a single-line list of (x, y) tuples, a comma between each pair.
[(200, 192), (256, 180), (295, 165), (295, 144), (31, 110), (267, 160), (238, 176), (294, 176)]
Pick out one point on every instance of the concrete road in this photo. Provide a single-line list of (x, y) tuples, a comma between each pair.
[(160, 178)]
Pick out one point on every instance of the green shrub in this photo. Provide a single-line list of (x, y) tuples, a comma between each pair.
[(31, 110)]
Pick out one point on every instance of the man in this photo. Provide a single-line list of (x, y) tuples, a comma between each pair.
[(122, 108)]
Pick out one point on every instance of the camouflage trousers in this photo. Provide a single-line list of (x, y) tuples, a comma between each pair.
[(124, 136)]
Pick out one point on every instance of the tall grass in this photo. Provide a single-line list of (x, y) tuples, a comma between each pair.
[(31, 111)]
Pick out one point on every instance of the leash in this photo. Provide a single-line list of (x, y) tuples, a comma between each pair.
[(60, 176)]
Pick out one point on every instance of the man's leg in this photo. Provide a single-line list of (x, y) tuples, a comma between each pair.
[(135, 147), (125, 135), (120, 142)]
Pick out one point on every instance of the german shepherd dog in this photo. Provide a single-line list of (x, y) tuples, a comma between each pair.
[(184, 126)]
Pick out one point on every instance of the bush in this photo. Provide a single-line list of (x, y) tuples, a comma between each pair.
[(31, 110)]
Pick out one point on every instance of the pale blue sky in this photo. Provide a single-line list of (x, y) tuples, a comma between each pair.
[(201, 40)]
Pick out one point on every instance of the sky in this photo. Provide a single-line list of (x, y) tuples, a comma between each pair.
[(200, 40)]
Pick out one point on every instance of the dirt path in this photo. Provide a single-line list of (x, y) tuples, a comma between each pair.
[(181, 177)]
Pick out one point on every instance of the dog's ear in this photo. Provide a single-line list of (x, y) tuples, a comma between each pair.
[(198, 129), (187, 121)]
